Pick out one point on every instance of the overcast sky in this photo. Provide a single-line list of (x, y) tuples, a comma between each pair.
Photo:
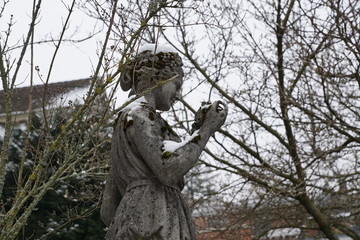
[(74, 61)]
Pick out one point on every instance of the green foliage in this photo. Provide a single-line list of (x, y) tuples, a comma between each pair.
[(70, 210)]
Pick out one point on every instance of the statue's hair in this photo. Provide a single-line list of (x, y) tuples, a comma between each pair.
[(146, 69)]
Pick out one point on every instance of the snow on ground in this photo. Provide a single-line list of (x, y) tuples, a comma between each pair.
[(344, 237), (284, 232)]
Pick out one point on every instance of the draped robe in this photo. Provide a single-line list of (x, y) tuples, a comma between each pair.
[(136, 204)]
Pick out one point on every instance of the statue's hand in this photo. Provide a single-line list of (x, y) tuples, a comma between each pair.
[(215, 116), (210, 116)]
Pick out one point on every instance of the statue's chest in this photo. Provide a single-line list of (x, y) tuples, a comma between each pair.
[(167, 132)]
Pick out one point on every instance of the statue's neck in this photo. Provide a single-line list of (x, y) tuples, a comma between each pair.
[(150, 99)]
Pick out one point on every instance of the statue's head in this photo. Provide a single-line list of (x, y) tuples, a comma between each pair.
[(148, 68)]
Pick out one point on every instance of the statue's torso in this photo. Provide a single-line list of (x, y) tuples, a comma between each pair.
[(148, 208)]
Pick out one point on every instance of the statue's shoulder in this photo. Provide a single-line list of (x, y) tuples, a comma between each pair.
[(135, 107), (144, 112), (139, 116)]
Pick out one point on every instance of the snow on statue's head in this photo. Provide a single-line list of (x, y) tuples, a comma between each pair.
[(151, 65)]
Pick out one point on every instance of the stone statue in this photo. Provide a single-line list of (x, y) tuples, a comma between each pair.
[(142, 197)]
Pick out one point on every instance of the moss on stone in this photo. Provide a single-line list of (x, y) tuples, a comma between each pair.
[(196, 139), (166, 154)]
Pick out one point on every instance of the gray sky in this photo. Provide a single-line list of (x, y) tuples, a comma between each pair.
[(73, 61)]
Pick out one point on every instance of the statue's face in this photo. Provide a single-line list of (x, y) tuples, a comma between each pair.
[(167, 94)]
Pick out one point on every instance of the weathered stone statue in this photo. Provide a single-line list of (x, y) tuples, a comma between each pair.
[(142, 198)]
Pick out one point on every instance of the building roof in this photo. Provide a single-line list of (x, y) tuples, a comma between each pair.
[(54, 92)]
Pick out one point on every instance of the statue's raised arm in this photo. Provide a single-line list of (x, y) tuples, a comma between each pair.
[(142, 197)]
